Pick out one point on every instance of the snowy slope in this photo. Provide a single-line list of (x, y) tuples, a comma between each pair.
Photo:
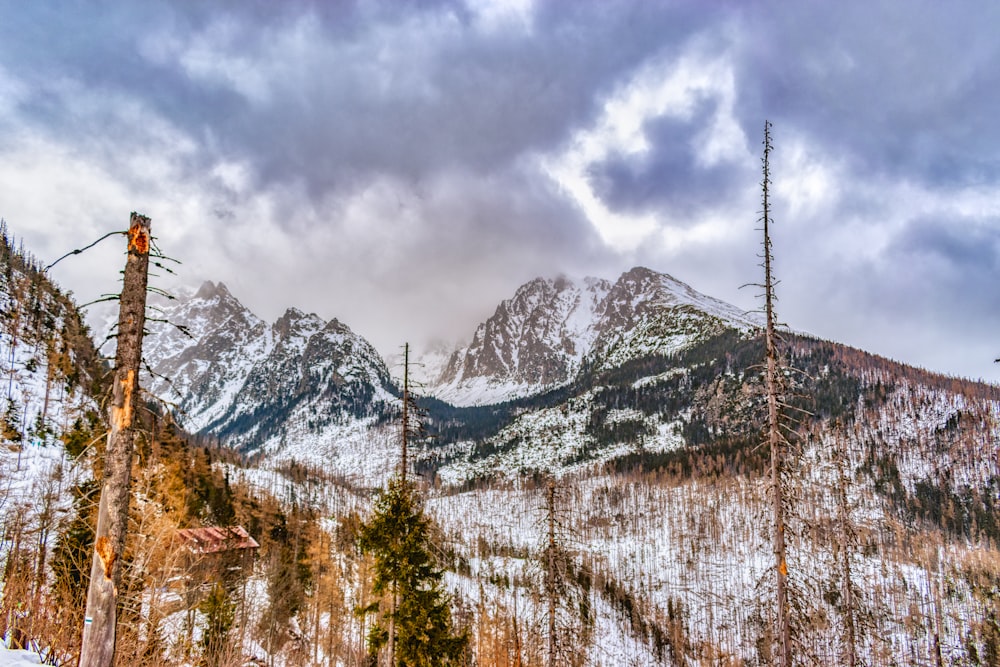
[(687, 557), (203, 366), (18, 658)]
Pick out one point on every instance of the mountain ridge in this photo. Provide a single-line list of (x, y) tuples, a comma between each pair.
[(641, 366), (539, 338), (247, 381)]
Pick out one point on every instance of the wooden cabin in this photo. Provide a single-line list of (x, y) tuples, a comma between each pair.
[(214, 551)]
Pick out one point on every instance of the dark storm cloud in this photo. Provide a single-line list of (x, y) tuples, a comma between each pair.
[(906, 89), (349, 90), (945, 269), (958, 245), (930, 298), (422, 91), (670, 176)]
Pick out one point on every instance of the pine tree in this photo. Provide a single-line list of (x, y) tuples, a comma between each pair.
[(220, 614), (10, 423), (418, 622)]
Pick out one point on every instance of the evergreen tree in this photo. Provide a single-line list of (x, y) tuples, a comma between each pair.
[(10, 423), (220, 614), (417, 625)]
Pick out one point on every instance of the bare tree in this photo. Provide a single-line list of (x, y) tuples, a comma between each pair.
[(406, 412), (564, 629), (550, 567), (112, 520), (775, 438)]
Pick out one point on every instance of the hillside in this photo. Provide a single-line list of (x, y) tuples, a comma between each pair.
[(52, 427), (673, 537), (52, 451)]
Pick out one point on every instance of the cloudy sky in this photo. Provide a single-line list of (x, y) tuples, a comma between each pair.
[(404, 166)]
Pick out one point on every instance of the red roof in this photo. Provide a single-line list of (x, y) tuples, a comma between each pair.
[(217, 538)]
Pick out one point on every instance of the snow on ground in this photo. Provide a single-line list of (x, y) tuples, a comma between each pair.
[(356, 449), (558, 439), (701, 547), (17, 658), (481, 390)]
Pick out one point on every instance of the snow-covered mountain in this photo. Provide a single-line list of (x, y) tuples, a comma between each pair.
[(542, 336), (313, 390), (298, 384)]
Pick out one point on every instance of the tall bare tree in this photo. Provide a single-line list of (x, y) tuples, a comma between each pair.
[(845, 547), (100, 621), (550, 568), (775, 438), (406, 412), (564, 622)]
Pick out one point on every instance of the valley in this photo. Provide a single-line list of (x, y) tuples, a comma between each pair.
[(597, 438)]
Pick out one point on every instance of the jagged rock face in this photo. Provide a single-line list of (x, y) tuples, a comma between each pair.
[(201, 366), (248, 382), (541, 337), (537, 338)]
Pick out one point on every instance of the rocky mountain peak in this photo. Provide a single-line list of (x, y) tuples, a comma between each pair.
[(210, 290), (294, 322), (249, 382), (539, 337), (534, 339), (335, 326)]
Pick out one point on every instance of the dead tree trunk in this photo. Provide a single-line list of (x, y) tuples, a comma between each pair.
[(98, 646), (550, 579), (845, 548), (774, 436), (938, 596), (406, 411)]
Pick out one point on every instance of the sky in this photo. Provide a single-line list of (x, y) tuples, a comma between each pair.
[(405, 166)]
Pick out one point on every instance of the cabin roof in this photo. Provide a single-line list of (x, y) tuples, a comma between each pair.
[(214, 539)]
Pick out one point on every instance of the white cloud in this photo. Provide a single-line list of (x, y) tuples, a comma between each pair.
[(215, 56), (493, 16), (661, 88), (805, 181), (12, 93)]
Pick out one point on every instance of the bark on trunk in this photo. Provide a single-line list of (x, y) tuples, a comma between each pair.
[(98, 646), (406, 411), (774, 438), (551, 566)]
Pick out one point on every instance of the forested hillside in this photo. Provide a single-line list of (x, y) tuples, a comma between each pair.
[(51, 460)]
